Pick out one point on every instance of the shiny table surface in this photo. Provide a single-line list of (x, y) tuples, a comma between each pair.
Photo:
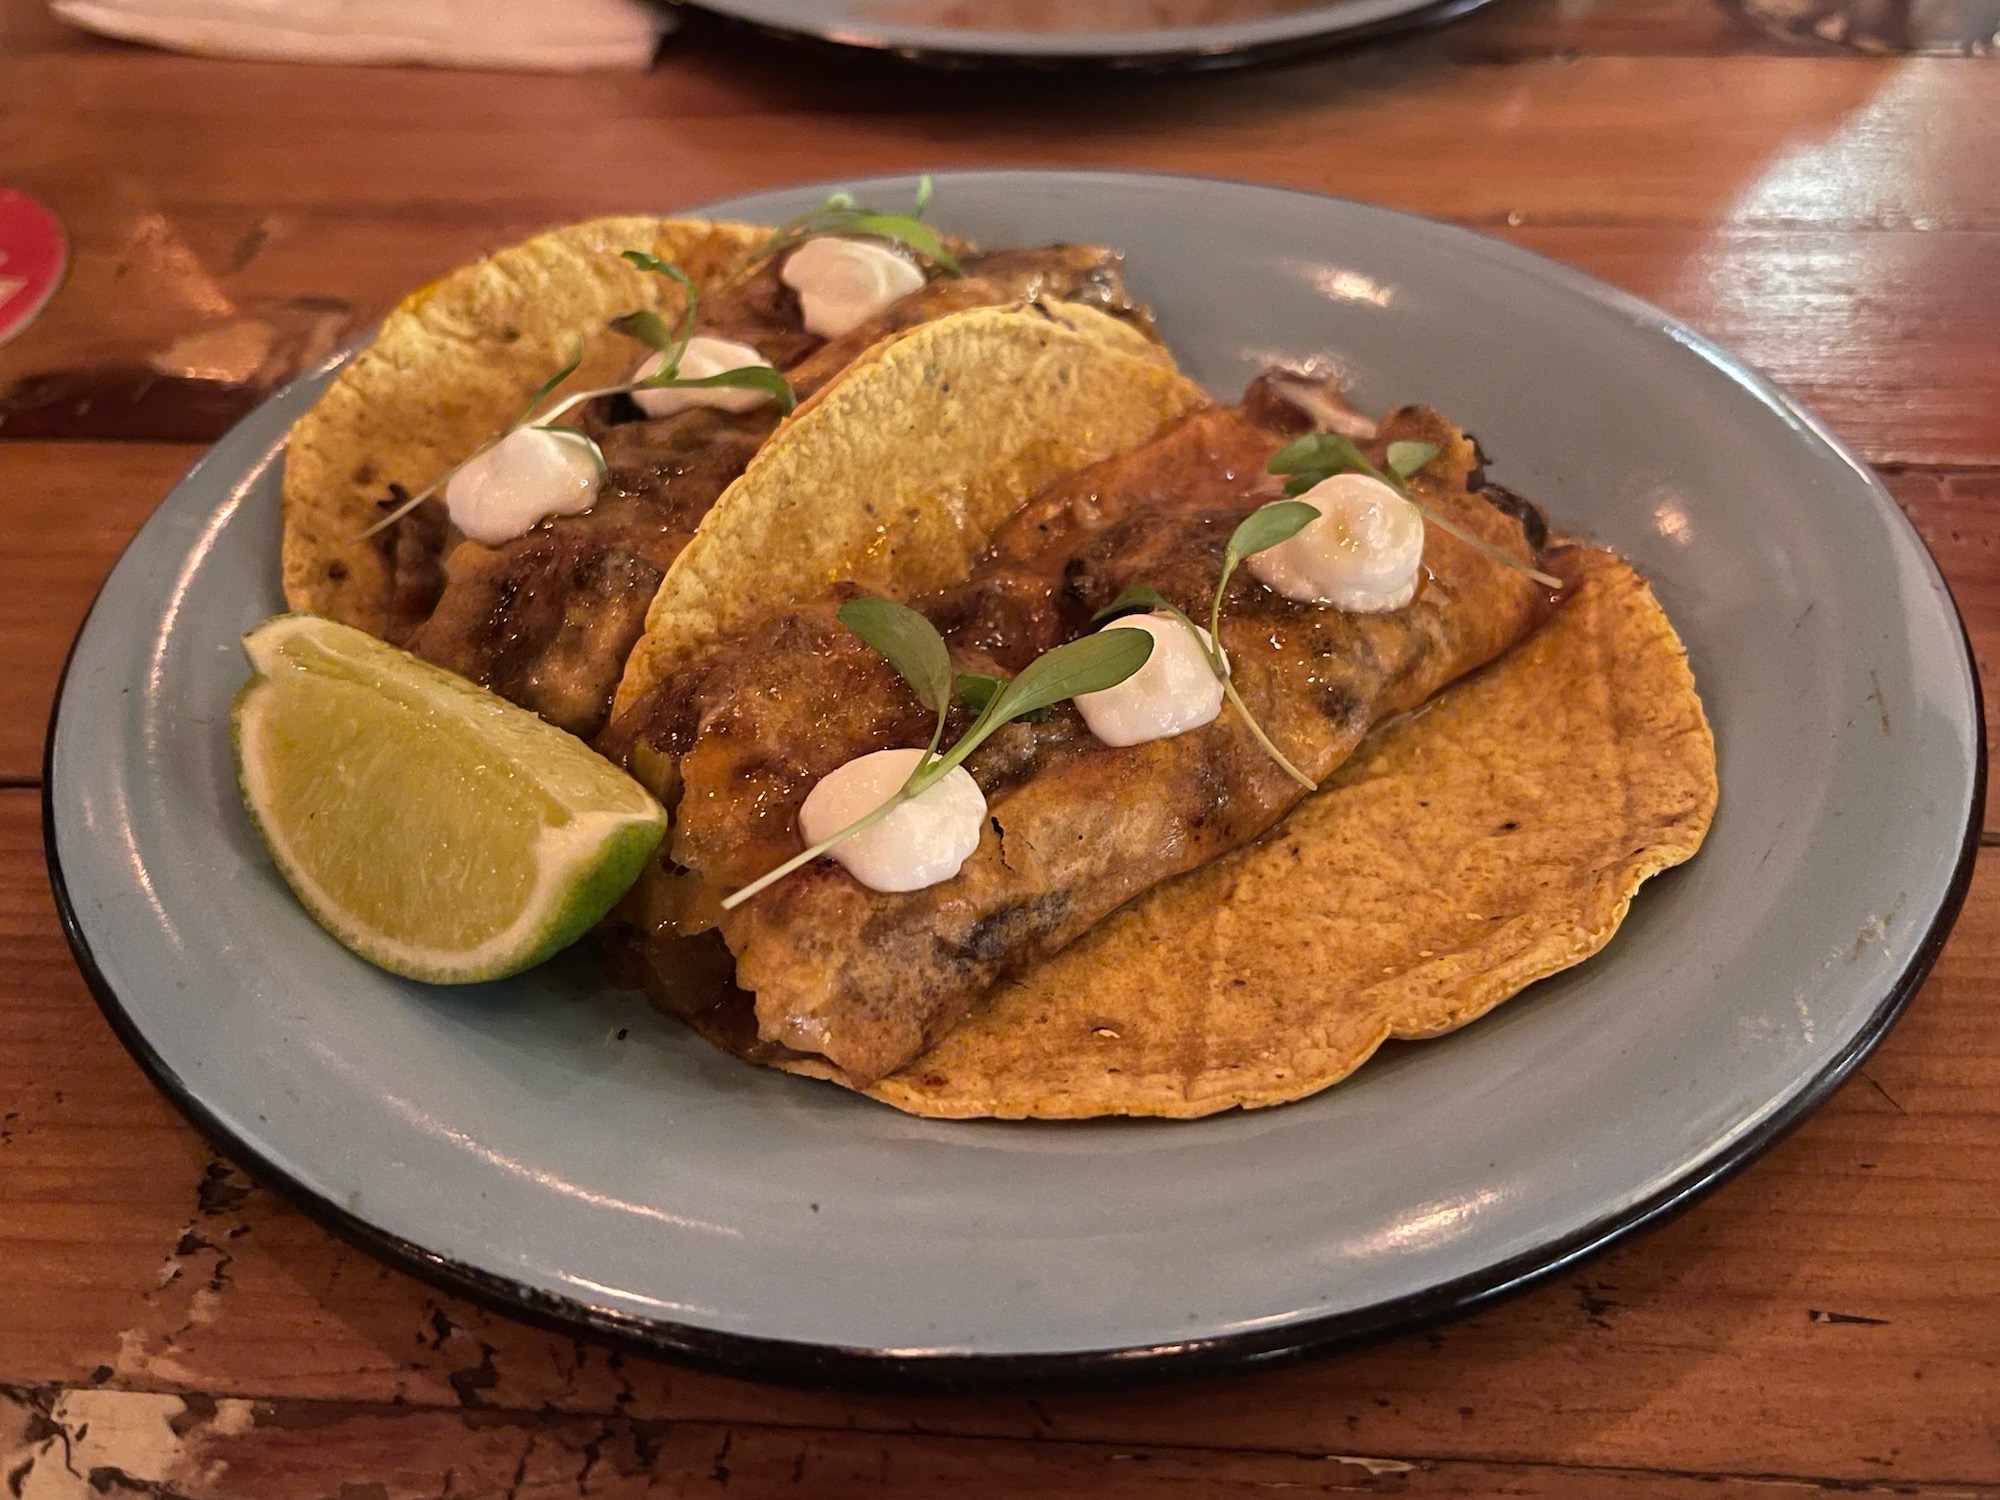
[(1829, 1320)]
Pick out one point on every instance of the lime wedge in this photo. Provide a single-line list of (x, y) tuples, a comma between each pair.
[(431, 826)]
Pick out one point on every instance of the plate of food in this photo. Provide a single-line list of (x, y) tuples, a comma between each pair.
[(1123, 34), (878, 787)]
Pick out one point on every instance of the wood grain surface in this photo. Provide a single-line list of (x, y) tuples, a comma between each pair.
[(1829, 1321)]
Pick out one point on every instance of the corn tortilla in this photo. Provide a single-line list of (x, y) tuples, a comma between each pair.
[(453, 364), (1490, 840), (1115, 333), (895, 476)]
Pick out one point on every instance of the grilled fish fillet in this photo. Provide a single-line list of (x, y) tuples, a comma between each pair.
[(549, 618), (869, 980)]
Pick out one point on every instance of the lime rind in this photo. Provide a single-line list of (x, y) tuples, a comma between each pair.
[(597, 827)]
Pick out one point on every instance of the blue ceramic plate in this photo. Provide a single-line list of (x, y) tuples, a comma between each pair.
[(1156, 35), (558, 1148)]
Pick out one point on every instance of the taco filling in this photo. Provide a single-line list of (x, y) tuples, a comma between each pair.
[(547, 618), (1075, 827)]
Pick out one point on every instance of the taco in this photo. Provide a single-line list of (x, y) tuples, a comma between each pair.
[(547, 612), (1170, 927)]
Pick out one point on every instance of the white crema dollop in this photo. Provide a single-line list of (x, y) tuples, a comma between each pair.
[(843, 283), (922, 842), (1175, 691), (530, 474), (703, 357), (1362, 554)]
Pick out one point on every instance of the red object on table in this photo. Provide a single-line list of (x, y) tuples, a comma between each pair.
[(33, 252)]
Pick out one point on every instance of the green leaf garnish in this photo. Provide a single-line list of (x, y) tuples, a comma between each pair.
[(911, 645), (665, 268), (1263, 529), (542, 393), (840, 214), (671, 346), (908, 642), (905, 230), (1406, 458), (1300, 454), (1088, 665), (745, 377), (648, 327), (1320, 455), (977, 690), (1139, 596)]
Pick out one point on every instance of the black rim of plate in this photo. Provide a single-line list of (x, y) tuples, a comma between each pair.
[(1198, 59), (854, 1367)]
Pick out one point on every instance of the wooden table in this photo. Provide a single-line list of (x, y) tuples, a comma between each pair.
[(1828, 1321)]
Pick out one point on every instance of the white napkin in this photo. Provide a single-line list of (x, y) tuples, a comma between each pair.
[(543, 36)]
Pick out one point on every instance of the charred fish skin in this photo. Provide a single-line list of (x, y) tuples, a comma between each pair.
[(547, 619), (412, 553), (501, 615), (869, 980)]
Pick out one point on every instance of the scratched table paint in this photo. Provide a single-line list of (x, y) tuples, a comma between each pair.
[(1831, 1319)]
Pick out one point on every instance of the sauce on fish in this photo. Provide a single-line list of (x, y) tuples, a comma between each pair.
[(1075, 827), (548, 618)]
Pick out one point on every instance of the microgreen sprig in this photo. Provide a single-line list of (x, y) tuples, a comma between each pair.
[(1259, 531), (913, 647), (977, 689), (840, 214), (650, 329), (527, 412), (1320, 455)]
